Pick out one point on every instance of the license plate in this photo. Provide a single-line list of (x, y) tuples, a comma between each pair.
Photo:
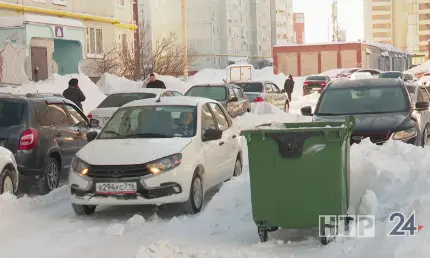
[(315, 89), (116, 188)]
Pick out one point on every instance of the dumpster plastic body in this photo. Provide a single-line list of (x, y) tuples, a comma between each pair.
[(298, 173)]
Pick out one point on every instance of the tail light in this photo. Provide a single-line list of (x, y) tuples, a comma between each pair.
[(258, 99), (28, 139), (305, 83), (323, 84), (90, 116)]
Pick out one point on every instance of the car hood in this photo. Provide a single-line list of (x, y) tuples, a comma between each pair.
[(375, 123), (130, 151)]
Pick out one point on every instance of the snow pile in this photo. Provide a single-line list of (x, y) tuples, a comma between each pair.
[(110, 83), (57, 84), (332, 73)]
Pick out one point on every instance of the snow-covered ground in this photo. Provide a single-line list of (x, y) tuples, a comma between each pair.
[(393, 177)]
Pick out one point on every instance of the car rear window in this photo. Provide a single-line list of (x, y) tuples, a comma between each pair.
[(11, 112), (251, 86), (316, 78), (218, 93), (390, 75), (119, 99)]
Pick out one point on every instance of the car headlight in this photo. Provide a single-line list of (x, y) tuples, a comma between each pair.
[(165, 164), (79, 166), (405, 134)]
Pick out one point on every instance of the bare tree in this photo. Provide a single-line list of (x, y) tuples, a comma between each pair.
[(106, 63), (164, 56)]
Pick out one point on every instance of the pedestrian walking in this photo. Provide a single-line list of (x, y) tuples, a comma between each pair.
[(74, 93), (154, 83), (289, 86)]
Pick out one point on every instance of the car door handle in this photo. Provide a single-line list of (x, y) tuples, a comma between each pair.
[(234, 136), (221, 143), (59, 135)]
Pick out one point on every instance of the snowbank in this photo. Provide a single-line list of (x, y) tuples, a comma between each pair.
[(422, 68), (57, 84)]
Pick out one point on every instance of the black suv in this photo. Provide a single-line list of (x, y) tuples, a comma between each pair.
[(43, 131), (230, 96)]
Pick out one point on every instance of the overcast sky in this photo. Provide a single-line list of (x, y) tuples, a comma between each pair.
[(318, 15)]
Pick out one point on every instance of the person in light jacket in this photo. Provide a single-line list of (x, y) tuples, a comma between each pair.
[(289, 86)]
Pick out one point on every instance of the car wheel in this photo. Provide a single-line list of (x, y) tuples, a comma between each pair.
[(196, 197), (426, 132), (237, 168), (7, 184), (51, 177), (286, 107), (83, 209)]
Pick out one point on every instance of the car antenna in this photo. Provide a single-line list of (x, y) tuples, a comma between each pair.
[(159, 97)]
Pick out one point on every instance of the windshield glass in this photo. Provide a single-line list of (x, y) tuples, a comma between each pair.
[(11, 112), (250, 86), (151, 122), (363, 100), (119, 99), (316, 78), (390, 75), (218, 93)]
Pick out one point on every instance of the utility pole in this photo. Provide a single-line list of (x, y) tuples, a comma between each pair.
[(184, 39), (136, 40)]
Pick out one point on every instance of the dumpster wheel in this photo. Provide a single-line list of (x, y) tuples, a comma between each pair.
[(325, 240), (263, 234)]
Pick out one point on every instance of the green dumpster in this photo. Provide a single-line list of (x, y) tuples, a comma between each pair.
[(298, 171)]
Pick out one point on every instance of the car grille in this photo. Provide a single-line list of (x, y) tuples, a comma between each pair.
[(121, 171), (377, 138)]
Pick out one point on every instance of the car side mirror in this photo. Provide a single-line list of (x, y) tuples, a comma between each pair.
[(94, 123), (212, 135), (422, 105), (306, 111), (92, 135), (234, 99)]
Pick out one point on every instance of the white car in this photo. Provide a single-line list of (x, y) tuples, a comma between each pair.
[(113, 101), (361, 75), (155, 152), (9, 176)]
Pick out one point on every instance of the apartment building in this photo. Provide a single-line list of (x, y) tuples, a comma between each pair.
[(41, 37), (222, 31), (282, 22), (299, 28), (404, 24)]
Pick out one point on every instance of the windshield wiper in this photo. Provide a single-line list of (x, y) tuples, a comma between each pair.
[(112, 132), (328, 114), (147, 135)]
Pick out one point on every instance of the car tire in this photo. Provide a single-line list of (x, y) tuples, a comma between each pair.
[(7, 182), (195, 201), (51, 177), (425, 134), (237, 168), (81, 210)]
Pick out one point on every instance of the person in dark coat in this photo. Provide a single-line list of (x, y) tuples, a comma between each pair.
[(74, 93), (289, 86), (154, 83)]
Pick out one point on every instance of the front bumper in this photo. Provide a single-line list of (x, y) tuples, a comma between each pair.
[(151, 190)]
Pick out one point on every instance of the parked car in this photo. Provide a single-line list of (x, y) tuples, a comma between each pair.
[(9, 176), (230, 96), (265, 91), (315, 83), (374, 72), (361, 75), (43, 131), (346, 74), (382, 110), (391, 74), (172, 151), (113, 101), (420, 94)]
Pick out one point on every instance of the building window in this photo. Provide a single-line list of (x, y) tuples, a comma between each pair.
[(382, 34), (381, 17), (424, 37), (425, 27), (424, 48), (121, 2), (94, 42), (382, 26), (381, 8)]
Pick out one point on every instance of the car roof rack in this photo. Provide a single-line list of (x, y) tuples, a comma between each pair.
[(35, 95)]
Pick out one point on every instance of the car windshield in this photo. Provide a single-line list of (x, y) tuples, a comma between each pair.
[(250, 86), (316, 78), (390, 75), (362, 100), (119, 99), (218, 93), (11, 112), (151, 122)]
